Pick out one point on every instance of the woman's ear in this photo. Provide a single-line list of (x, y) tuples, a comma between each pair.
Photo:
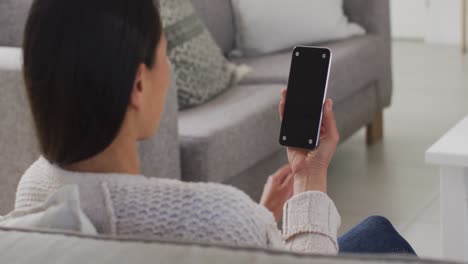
[(136, 98)]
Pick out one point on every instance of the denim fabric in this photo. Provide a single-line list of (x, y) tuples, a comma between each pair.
[(375, 235)]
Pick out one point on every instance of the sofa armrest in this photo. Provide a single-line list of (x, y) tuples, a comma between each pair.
[(160, 155), (373, 15), (18, 143)]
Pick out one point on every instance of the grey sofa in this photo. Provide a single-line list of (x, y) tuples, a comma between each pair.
[(26, 246), (233, 138)]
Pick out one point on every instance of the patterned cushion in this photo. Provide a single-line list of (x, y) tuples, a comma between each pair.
[(201, 70)]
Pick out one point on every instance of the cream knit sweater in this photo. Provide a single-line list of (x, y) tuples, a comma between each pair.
[(131, 205)]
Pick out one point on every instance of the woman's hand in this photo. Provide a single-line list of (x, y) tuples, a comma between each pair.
[(278, 189), (310, 167)]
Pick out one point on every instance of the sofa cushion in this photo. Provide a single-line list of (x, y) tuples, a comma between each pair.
[(230, 133), (13, 14), (355, 65), (219, 19)]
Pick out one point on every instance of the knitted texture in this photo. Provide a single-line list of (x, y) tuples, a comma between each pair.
[(190, 212), (128, 205), (37, 190)]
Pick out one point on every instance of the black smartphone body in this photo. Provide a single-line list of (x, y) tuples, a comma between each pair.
[(305, 97)]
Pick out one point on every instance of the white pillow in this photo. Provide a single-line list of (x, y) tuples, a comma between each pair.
[(10, 58), (265, 26), (61, 211)]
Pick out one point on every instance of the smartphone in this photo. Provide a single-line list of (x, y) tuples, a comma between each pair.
[(305, 97)]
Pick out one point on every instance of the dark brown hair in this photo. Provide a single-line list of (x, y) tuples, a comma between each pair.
[(80, 63)]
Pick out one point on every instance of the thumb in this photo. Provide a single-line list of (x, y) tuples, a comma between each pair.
[(281, 174)]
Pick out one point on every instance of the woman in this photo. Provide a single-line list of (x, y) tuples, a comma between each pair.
[(97, 75)]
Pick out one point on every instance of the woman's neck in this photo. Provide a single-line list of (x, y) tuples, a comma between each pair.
[(120, 157)]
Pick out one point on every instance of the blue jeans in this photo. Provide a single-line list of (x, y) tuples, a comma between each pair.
[(375, 235)]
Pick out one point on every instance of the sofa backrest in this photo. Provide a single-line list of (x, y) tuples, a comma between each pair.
[(217, 15), (13, 14), (219, 19), (22, 246)]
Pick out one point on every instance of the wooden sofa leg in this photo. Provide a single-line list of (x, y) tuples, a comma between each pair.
[(375, 129)]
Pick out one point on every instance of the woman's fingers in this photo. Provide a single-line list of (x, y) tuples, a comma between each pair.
[(281, 174), (281, 110), (329, 121), (288, 181), (282, 102)]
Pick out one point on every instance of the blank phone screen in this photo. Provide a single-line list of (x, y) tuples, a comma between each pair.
[(305, 96)]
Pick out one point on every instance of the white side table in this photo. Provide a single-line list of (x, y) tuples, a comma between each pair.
[(451, 154)]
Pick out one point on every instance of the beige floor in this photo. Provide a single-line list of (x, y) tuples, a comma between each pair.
[(391, 178)]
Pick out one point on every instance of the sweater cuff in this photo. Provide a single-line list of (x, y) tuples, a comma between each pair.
[(310, 212)]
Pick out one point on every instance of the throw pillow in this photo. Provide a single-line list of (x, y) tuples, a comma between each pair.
[(61, 211), (265, 26), (11, 58), (201, 70)]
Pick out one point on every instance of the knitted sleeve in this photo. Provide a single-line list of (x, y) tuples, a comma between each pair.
[(193, 212), (310, 224)]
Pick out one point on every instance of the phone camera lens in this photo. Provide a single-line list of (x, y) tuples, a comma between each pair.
[(324, 56), (297, 54)]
